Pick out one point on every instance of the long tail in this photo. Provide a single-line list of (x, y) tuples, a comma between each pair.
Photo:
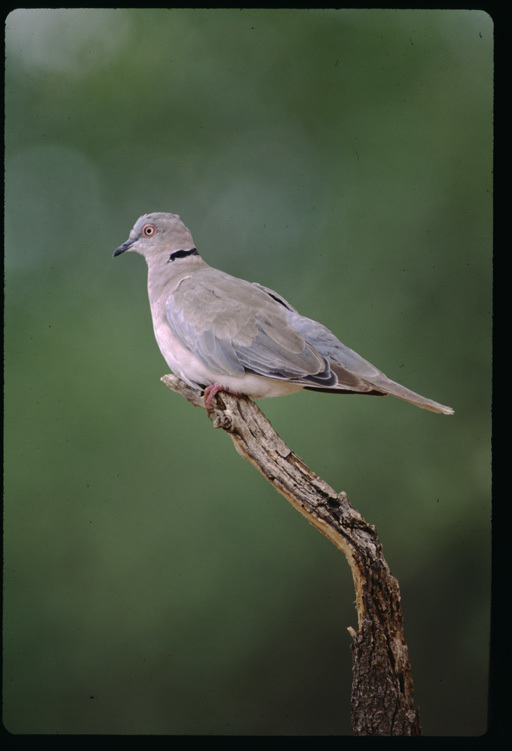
[(378, 384), (385, 385)]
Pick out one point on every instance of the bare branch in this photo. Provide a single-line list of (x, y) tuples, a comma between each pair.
[(382, 700)]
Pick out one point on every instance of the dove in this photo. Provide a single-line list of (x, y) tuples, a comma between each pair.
[(220, 333)]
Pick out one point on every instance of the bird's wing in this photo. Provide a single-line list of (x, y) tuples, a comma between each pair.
[(233, 326), (352, 370)]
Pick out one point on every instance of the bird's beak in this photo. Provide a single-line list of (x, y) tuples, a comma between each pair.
[(122, 248)]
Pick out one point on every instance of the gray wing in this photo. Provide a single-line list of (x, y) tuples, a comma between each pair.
[(353, 372), (234, 326)]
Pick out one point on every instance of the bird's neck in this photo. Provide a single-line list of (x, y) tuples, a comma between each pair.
[(166, 271)]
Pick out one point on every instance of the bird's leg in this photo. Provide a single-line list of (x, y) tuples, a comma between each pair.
[(209, 392)]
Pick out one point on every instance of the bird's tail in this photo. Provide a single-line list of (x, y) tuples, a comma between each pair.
[(378, 384), (386, 386)]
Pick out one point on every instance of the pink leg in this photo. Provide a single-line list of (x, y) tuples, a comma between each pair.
[(209, 393)]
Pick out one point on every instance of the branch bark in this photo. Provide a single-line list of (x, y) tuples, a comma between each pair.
[(382, 700)]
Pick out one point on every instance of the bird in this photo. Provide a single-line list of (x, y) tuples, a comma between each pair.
[(221, 333)]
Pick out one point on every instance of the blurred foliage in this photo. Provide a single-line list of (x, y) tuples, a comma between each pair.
[(154, 583)]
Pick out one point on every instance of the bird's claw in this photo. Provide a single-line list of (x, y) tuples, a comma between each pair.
[(209, 393)]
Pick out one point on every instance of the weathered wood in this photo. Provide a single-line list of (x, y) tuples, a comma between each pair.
[(382, 701)]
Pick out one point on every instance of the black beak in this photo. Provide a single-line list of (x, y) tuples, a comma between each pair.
[(122, 248)]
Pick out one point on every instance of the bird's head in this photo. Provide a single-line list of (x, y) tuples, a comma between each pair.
[(157, 234)]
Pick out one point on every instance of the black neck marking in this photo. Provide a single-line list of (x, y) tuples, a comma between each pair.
[(182, 254)]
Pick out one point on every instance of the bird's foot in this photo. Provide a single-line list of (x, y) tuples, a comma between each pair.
[(209, 393)]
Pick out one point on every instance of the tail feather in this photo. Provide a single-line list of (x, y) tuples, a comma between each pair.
[(387, 386), (380, 385)]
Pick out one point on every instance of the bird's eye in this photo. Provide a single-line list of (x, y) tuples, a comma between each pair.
[(149, 230)]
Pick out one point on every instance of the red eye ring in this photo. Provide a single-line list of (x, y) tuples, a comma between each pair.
[(149, 230)]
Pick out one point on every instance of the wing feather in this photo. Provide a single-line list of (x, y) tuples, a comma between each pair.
[(234, 326)]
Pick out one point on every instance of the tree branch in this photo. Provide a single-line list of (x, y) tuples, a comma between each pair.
[(382, 701)]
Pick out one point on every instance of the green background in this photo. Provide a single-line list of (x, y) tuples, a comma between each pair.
[(154, 582)]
